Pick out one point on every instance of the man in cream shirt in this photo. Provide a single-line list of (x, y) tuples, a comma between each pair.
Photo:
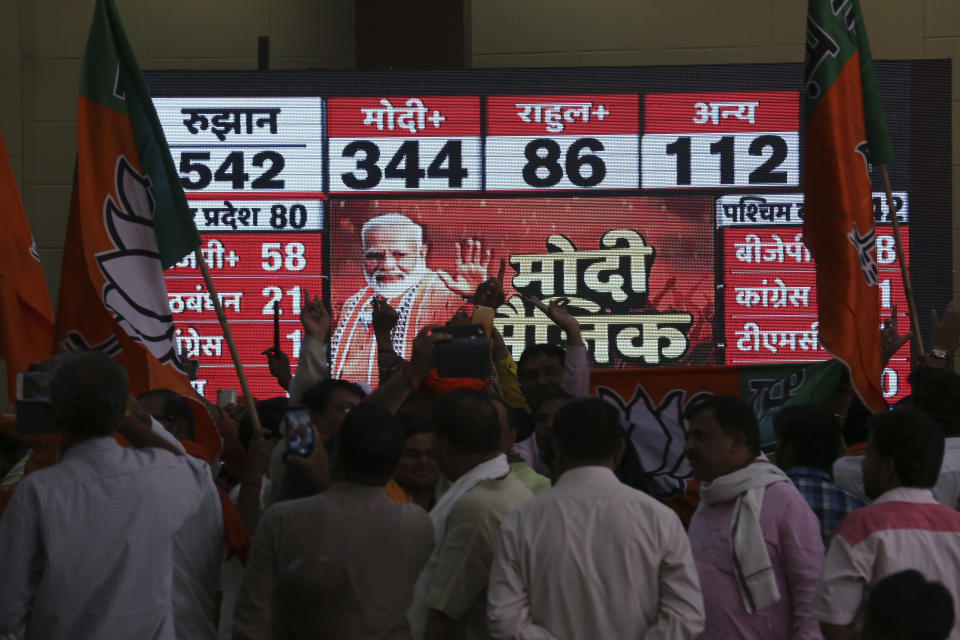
[(591, 557)]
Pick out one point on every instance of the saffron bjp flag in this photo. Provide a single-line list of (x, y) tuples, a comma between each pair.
[(652, 402), (845, 133), (26, 317), (128, 221)]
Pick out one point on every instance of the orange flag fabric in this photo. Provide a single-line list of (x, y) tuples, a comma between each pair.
[(128, 220), (26, 317), (846, 132)]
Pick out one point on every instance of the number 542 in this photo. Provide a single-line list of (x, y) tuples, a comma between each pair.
[(196, 174)]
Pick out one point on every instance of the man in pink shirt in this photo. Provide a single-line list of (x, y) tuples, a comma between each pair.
[(755, 540)]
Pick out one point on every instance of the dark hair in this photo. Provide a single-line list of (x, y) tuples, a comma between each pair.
[(316, 397), (271, 413), (812, 432), (906, 606), (175, 407), (589, 430), (542, 349), (418, 405), (468, 418), (855, 422), (913, 440), (547, 392), (371, 441), (937, 391), (732, 414), (88, 393), (413, 427)]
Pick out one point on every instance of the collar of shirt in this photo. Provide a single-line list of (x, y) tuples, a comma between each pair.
[(810, 472), (92, 446), (855, 450), (580, 476), (907, 494)]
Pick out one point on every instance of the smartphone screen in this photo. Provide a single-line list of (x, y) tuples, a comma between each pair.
[(467, 355), (299, 432), (33, 386), (34, 415)]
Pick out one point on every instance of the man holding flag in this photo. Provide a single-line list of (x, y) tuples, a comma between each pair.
[(846, 134), (92, 539)]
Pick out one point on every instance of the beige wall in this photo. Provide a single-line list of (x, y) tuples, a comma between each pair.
[(41, 42)]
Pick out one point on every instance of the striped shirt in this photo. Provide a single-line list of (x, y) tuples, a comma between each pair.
[(828, 501), (85, 545), (905, 528)]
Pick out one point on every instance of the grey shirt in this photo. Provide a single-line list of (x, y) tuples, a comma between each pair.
[(376, 546)]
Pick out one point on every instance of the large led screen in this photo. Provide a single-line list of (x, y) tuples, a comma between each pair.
[(665, 203)]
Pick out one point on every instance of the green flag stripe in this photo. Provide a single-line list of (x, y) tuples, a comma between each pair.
[(111, 77), (835, 31)]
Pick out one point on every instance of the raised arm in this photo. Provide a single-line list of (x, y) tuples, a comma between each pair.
[(576, 363), (384, 320), (313, 365), (391, 393)]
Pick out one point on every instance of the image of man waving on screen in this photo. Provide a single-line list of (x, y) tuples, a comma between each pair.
[(395, 268)]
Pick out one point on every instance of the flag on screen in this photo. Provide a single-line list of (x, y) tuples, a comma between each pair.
[(128, 219), (845, 133), (652, 402), (26, 317)]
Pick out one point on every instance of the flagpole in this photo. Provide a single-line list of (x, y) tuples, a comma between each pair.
[(222, 317), (907, 287)]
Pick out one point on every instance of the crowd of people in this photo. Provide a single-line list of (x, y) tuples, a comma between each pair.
[(468, 508)]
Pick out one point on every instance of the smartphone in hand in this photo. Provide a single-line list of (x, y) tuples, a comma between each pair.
[(466, 355), (34, 413), (299, 431)]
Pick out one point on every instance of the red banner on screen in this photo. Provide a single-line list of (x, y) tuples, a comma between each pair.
[(638, 273), (770, 298), (251, 272), (726, 112), (403, 117), (562, 115)]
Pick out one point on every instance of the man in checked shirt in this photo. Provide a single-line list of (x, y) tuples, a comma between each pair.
[(808, 441)]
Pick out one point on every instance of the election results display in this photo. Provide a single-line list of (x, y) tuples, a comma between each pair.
[(666, 204)]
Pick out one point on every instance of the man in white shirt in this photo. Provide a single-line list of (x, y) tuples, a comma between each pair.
[(591, 557), (937, 391), (198, 546), (85, 545)]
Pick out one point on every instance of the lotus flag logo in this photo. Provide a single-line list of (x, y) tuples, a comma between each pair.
[(135, 291), (866, 247), (658, 433)]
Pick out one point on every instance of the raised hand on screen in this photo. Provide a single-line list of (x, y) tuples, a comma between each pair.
[(471, 268)]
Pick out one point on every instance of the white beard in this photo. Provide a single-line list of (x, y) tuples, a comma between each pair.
[(391, 290)]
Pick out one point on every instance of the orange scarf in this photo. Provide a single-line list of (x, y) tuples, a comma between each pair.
[(445, 385)]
